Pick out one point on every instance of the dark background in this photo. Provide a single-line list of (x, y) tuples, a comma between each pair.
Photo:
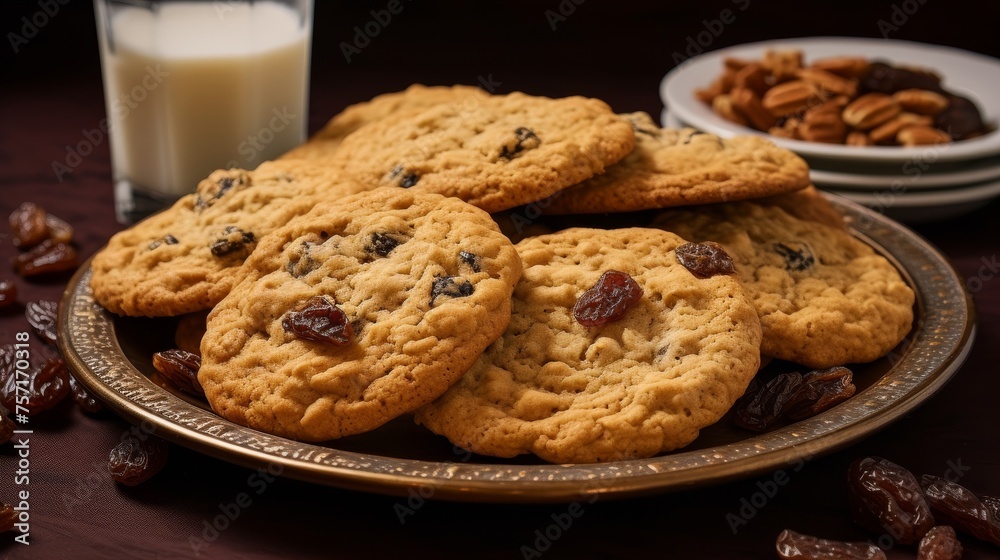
[(619, 51), (616, 50)]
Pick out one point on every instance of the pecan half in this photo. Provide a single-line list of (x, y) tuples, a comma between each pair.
[(792, 97), (921, 101), (870, 110), (921, 135)]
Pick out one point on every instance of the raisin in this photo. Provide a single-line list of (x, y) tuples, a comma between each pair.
[(961, 119), (761, 410), (208, 192), (796, 546), (8, 357), (165, 240), (235, 240), (8, 293), (85, 400), (956, 505), (320, 320), (42, 316), (300, 262), (46, 257), (886, 498), (382, 244), (40, 388), (451, 286), (7, 518), (470, 259), (406, 180), (58, 230), (524, 139), (134, 460), (27, 223), (940, 543), (409, 180), (798, 256), (885, 78), (7, 428), (820, 390), (608, 300), (705, 260), (180, 369)]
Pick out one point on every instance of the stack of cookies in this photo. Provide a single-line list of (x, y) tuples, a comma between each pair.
[(373, 273)]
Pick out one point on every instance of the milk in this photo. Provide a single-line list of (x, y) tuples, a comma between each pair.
[(193, 87)]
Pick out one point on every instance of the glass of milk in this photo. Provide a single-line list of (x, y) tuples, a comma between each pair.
[(192, 86)]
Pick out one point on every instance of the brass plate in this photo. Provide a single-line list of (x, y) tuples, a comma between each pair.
[(112, 357)]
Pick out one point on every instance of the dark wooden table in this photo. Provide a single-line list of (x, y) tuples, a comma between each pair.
[(51, 96)]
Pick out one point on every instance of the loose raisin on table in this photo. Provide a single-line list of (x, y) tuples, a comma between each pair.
[(956, 505), (180, 369), (44, 387), (820, 390), (134, 460), (319, 320), (8, 293), (886, 498), (761, 410), (798, 256), (46, 257), (234, 240), (940, 543), (524, 139), (27, 223), (608, 300), (8, 517), (8, 357), (706, 259), (43, 316), (83, 399), (451, 286), (58, 230), (7, 428), (796, 546)]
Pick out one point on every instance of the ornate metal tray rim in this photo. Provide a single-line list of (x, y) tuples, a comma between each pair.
[(942, 338)]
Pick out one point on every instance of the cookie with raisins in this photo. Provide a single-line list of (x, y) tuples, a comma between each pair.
[(362, 310), (671, 167), (496, 153), (325, 142), (824, 298), (666, 353), (182, 260)]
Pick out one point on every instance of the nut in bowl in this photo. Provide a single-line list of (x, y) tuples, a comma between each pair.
[(826, 97)]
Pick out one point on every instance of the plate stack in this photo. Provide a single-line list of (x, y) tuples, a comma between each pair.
[(910, 184)]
